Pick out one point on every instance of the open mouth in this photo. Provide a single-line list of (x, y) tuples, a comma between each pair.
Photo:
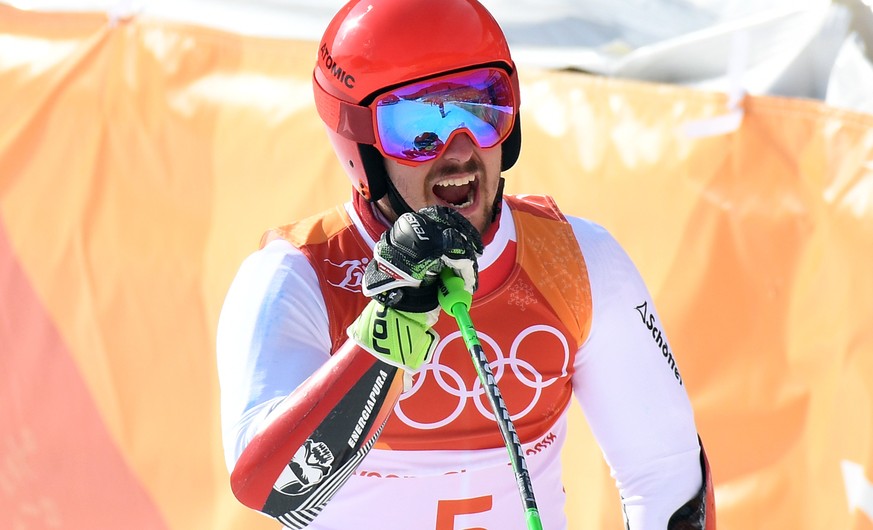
[(459, 193)]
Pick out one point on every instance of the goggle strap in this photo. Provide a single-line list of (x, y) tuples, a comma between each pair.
[(349, 120)]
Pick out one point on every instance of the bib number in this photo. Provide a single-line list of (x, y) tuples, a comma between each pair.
[(447, 510)]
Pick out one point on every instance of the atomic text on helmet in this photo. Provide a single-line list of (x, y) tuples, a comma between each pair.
[(345, 78)]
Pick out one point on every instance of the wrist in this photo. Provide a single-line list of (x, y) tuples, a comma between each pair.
[(411, 299)]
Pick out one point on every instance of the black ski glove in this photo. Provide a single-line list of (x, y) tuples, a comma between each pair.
[(408, 258)]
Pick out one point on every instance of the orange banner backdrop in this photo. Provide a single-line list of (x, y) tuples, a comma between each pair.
[(141, 161)]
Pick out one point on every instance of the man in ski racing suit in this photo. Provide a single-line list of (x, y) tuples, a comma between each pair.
[(349, 400)]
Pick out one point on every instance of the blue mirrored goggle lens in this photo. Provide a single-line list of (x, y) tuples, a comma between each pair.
[(414, 122)]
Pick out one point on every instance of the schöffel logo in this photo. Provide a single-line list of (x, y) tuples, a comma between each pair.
[(660, 340), (336, 70)]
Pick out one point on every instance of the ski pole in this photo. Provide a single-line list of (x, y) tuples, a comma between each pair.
[(455, 300)]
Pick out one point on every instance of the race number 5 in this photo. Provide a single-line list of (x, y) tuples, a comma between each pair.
[(447, 510)]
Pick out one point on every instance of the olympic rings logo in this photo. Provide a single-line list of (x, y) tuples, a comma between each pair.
[(453, 384)]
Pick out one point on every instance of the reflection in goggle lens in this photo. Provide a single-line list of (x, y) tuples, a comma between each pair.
[(413, 122)]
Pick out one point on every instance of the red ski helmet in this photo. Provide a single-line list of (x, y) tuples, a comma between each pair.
[(373, 46)]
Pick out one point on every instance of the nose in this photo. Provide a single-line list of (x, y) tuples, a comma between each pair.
[(460, 147)]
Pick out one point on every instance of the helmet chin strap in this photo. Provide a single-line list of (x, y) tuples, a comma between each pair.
[(398, 203), (498, 200)]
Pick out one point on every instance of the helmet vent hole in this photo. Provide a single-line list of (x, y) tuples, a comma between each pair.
[(351, 163)]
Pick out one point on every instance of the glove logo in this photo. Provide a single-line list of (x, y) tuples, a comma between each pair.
[(309, 467), (417, 228), (380, 331)]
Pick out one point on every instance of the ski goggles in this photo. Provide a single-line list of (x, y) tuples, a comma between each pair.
[(413, 123)]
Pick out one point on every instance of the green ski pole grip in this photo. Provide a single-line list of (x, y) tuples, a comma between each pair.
[(452, 292), (456, 301)]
